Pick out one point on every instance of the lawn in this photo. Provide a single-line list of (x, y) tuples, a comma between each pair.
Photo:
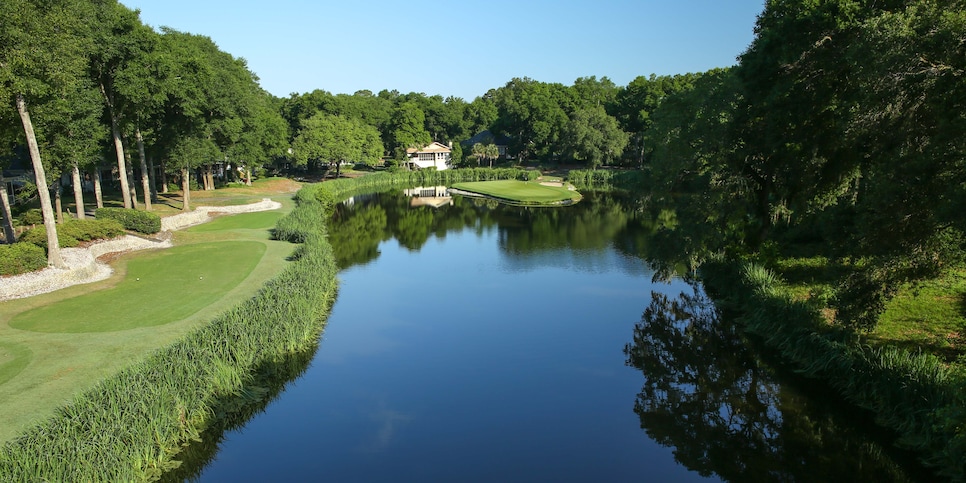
[(929, 316), (520, 191), (53, 346), (178, 282)]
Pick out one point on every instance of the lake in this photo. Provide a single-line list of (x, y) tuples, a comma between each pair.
[(473, 341)]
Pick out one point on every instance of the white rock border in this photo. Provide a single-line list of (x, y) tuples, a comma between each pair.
[(82, 264)]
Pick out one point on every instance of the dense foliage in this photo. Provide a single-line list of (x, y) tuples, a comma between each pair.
[(20, 258), (839, 127), (72, 232), (139, 221)]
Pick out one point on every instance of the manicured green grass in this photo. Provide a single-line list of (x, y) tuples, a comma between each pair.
[(160, 288), (248, 221), (14, 358), (519, 191)]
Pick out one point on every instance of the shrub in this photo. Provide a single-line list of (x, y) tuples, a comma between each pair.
[(87, 230), (21, 258), (134, 220), (32, 216), (38, 236)]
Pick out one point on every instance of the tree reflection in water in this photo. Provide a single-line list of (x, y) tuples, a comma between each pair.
[(725, 414)]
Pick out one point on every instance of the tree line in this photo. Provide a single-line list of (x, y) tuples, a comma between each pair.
[(86, 81)]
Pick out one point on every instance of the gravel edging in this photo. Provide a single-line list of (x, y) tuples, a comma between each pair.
[(82, 264)]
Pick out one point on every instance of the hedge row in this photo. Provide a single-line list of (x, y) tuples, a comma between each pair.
[(606, 179), (72, 232), (914, 394), (134, 220)]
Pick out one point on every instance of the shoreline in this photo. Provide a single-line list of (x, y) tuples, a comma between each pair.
[(83, 265)]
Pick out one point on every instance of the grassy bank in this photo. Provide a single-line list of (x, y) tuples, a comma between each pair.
[(915, 394)]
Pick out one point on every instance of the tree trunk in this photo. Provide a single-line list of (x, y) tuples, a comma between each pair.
[(121, 165), (8, 234), (185, 190), (145, 183), (209, 178), (154, 181), (248, 176), (78, 191), (58, 203), (164, 177), (53, 247), (98, 197)]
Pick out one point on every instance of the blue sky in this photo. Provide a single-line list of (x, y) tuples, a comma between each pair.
[(461, 48)]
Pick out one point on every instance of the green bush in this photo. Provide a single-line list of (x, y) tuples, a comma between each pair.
[(88, 230), (134, 220), (32, 216), (21, 258), (38, 236)]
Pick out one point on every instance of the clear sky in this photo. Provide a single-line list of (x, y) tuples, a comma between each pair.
[(461, 48)]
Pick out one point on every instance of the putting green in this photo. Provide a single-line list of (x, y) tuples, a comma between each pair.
[(160, 288), (14, 358), (519, 191)]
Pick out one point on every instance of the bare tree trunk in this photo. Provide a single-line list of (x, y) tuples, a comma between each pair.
[(130, 175), (164, 177), (248, 176), (154, 181), (145, 183), (121, 165), (53, 247), (209, 178), (8, 234), (185, 190), (58, 203), (98, 197), (78, 191)]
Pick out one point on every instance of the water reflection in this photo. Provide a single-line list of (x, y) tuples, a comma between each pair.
[(604, 221), (235, 410), (725, 414)]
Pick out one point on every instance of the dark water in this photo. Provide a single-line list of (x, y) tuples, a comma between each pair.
[(480, 342)]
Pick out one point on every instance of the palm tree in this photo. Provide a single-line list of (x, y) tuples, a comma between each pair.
[(492, 152), (479, 152)]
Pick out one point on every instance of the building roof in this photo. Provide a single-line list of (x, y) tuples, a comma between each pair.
[(435, 147)]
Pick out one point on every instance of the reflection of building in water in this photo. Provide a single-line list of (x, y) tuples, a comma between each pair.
[(352, 200), (435, 196)]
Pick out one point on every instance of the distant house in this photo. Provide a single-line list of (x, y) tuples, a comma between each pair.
[(487, 137), (436, 155)]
